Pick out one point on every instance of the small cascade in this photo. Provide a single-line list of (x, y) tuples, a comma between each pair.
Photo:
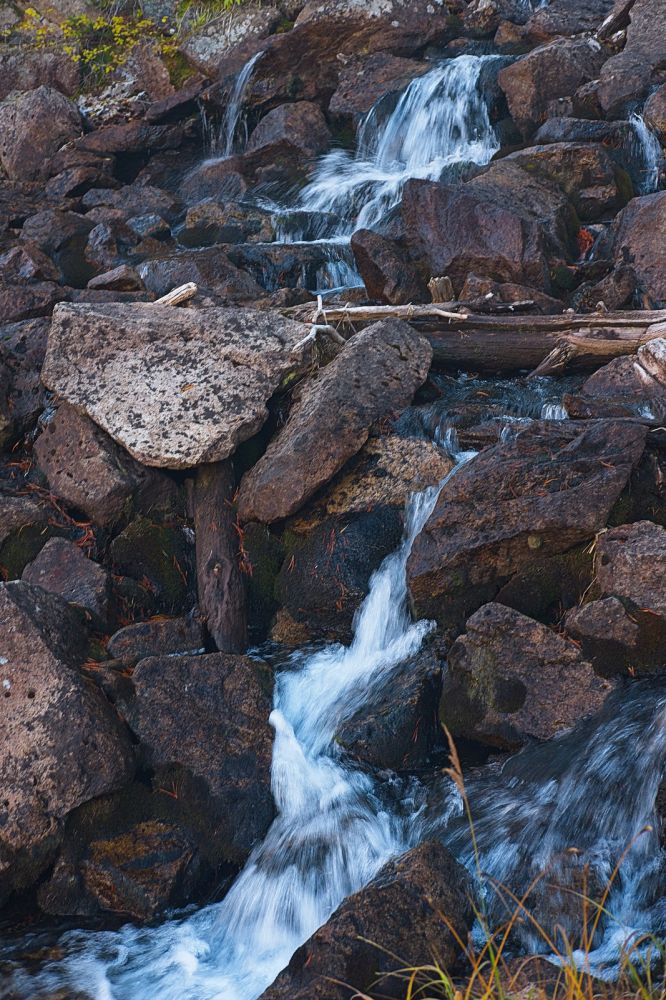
[(221, 142), (651, 155)]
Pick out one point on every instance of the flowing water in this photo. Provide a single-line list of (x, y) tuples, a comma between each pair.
[(221, 140), (651, 154)]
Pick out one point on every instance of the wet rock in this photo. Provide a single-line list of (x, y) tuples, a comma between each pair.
[(387, 274), (33, 126), (654, 113), (210, 222), (63, 744), (204, 720), (121, 279), (398, 728), (409, 909), (638, 237), (220, 180), (378, 372), (626, 77), (586, 173), (623, 387), (162, 637), (175, 387), (162, 556), (85, 467), (62, 236), (62, 568), (365, 80), (211, 271), (32, 68), (287, 138), (613, 134), (511, 680), (548, 72), (279, 266), (22, 350), (539, 495)]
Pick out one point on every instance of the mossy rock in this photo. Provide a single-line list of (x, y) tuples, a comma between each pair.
[(160, 556), (264, 557)]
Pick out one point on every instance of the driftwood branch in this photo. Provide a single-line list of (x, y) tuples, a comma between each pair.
[(178, 295)]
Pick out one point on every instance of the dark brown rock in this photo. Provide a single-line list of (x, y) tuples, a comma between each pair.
[(411, 909), (85, 467), (206, 718), (21, 302), (365, 80), (546, 491), (511, 680), (23, 68), (135, 199), (130, 137), (33, 127), (161, 637), (62, 236), (121, 279), (211, 270), (63, 569), (639, 238), (63, 743), (654, 113), (608, 635), (22, 350), (378, 372), (548, 72), (387, 274), (626, 77), (26, 263), (294, 130), (212, 222), (160, 555)]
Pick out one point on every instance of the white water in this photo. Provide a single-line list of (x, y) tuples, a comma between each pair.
[(331, 835), (222, 142), (440, 120), (652, 156)]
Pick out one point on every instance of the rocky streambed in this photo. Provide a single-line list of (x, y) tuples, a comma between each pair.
[(262, 550)]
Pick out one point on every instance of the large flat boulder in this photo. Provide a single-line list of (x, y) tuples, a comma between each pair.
[(511, 679), (517, 504), (415, 907), (63, 744), (176, 388), (377, 373)]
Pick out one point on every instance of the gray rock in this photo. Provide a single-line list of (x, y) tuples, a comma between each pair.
[(157, 638), (175, 387), (63, 569), (378, 372)]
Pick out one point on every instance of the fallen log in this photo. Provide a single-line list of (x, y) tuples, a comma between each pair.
[(506, 343)]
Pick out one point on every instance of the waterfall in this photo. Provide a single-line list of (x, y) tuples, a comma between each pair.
[(440, 121), (651, 155), (221, 142)]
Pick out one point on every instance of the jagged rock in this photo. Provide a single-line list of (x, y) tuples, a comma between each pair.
[(26, 263), (121, 279), (615, 290), (130, 137), (412, 908), (387, 274), (62, 742), (206, 47), (562, 19), (160, 554), (203, 721), (135, 199), (276, 266), (623, 387), (365, 80), (33, 126), (626, 77), (608, 635), (548, 72), (22, 302), (638, 236), (176, 388), (221, 180), (511, 680), (614, 134), (586, 173), (63, 569), (378, 372), (398, 727), (477, 288), (157, 638), (519, 502), (85, 467)]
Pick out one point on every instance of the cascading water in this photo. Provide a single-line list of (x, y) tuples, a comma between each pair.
[(221, 141), (651, 155)]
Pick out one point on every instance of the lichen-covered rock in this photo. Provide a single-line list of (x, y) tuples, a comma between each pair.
[(33, 126), (378, 372), (417, 905), (63, 569), (202, 721), (511, 680), (62, 742), (176, 388)]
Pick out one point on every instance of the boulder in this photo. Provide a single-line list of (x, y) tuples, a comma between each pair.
[(221, 180), (511, 679), (22, 351), (638, 236), (62, 236), (62, 568), (387, 274), (162, 637), (398, 728), (364, 80), (23, 69), (613, 639), (623, 387), (654, 113), (586, 172), (210, 222), (203, 721), (33, 127), (522, 501), (24, 526), (563, 18), (162, 557), (290, 134), (85, 467), (135, 199), (378, 372), (130, 137), (206, 47), (626, 77), (175, 387), (551, 71), (212, 272), (62, 742), (418, 905), (26, 263), (121, 279)]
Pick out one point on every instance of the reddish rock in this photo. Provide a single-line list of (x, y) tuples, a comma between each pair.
[(27, 263), (63, 569), (121, 279), (626, 77), (62, 236), (542, 493), (418, 905), (548, 72), (21, 302), (211, 270), (22, 350), (212, 222), (377, 373), (130, 137), (387, 274), (608, 635), (511, 680), (62, 742), (297, 131), (203, 721), (24, 68), (33, 127), (639, 236), (23, 530), (365, 80), (135, 199), (654, 113)]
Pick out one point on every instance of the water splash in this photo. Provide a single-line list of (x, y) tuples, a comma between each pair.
[(651, 154)]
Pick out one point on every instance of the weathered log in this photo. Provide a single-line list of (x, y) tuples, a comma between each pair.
[(441, 289), (178, 295), (219, 580)]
